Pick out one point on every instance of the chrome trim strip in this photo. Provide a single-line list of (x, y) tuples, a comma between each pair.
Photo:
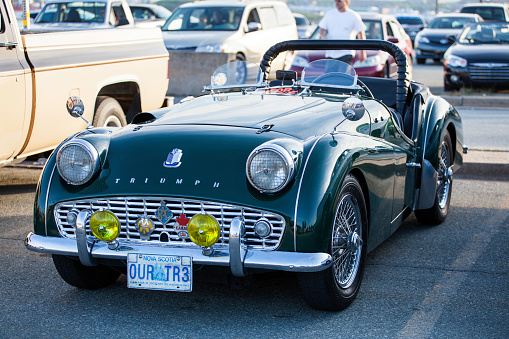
[(237, 253), (298, 192), (273, 260), (46, 201)]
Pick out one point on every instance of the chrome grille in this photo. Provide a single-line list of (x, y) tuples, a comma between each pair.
[(489, 72), (129, 209)]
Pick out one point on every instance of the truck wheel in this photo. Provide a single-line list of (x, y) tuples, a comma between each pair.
[(76, 274), (437, 214), (335, 288), (108, 113)]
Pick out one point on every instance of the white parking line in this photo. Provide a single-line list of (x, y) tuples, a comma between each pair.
[(423, 321)]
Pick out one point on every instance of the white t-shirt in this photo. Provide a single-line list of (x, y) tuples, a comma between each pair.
[(341, 25)]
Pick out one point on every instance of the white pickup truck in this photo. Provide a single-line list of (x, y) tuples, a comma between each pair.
[(116, 72)]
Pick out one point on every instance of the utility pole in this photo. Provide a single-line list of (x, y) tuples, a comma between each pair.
[(26, 14)]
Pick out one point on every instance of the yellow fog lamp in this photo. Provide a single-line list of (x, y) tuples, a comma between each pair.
[(204, 230), (105, 225)]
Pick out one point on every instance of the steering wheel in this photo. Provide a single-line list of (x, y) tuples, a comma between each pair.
[(365, 88)]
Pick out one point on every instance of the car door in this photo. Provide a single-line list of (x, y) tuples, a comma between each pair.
[(12, 89)]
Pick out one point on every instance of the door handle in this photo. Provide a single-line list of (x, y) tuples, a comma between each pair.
[(8, 45)]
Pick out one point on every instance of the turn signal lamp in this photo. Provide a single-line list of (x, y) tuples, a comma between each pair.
[(204, 230), (105, 225)]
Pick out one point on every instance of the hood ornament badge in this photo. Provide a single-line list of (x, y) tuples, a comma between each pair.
[(173, 160)]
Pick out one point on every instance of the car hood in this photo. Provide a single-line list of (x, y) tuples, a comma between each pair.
[(189, 39), (485, 53), (301, 117)]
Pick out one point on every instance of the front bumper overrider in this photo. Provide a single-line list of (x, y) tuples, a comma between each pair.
[(235, 256)]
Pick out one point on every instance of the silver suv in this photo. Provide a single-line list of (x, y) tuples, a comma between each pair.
[(244, 28)]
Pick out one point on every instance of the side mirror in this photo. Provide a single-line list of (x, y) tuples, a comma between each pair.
[(353, 109), (76, 108), (253, 27)]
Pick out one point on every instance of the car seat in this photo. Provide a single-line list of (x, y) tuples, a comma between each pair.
[(73, 16)]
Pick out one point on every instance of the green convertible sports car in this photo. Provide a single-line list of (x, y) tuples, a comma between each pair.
[(301, 174)]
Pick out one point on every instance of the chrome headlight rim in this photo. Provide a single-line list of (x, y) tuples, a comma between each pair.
[(285, 156), (90, 150)]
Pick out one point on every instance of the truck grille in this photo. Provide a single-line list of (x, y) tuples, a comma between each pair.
[(489, 72), (129, 209)]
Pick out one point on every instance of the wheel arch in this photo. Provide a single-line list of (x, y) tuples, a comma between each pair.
[(126, 93)]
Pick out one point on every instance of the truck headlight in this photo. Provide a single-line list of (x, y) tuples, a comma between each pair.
[(269, 168), (212, 48), (77, 161)]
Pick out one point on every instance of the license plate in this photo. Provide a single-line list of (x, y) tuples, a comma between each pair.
[(159, 272)]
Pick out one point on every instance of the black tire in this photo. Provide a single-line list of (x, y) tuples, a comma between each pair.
[(421, 61), (108, 113), (89, 277), (332, 289), (437, 214), (437, 60), (448, 87)]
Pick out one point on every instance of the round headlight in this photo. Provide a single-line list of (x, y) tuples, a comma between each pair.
[(77, 161), (204, 230), (269, 168), (105, 225)]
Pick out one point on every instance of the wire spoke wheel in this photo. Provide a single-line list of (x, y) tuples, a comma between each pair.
[(336, 287), (438, 212), (444, 175), (346, 242)]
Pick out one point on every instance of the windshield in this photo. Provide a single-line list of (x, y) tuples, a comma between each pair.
[(204, 19), (237, 74), (485, 33), (329, 73), (87, 12), (410, 21), (450, 22)]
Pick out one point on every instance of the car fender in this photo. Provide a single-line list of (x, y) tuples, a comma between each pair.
[(329, 161), (439, 117)]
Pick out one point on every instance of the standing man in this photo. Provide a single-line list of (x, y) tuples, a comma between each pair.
[(342, 23)]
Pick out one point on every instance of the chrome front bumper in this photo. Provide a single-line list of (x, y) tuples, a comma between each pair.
[(236, 257)]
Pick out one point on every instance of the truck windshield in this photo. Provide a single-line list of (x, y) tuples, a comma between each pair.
[(72, 12), (204, 19)]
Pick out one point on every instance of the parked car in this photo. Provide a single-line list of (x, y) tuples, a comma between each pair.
[(244, 28), (479, 57), (489, 11), (432, 42), (302, 175), (83, 14), (148, 15), (412, 24), (378, 63), (304, 27)]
